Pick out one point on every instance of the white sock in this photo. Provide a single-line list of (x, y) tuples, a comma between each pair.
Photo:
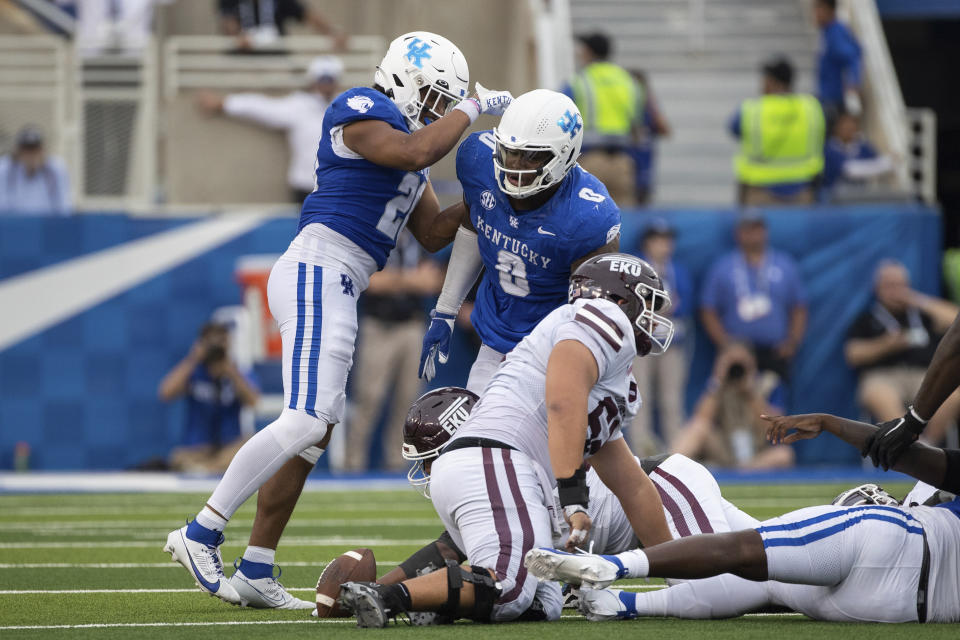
[(635, 562), (208, 519), (262, 455), (260, 554)]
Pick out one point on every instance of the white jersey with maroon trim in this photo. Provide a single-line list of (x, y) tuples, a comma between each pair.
[(512, 409), (692, 504)]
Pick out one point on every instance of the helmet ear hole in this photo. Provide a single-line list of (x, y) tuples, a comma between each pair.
[(397, 80)]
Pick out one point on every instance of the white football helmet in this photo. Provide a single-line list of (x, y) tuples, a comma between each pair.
[(420, 60), (543, 128)]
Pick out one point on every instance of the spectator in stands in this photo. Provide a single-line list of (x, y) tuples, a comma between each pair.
[(299, 114), (838, 63), (216, 391), (781, 141), (259, 23), (653, 126), (662, 380), (891, 344), (849, 161), (754, 295), (612, 105), (391, 330), (725, 428), (31, 181), (114, 26)]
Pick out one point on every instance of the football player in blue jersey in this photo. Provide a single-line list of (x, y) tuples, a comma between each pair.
[(531, 215), (372, 180)]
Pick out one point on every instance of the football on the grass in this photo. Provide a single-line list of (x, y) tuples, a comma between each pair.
[(358, 565)]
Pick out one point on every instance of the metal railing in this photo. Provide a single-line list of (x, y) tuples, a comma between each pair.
[(213, 62)]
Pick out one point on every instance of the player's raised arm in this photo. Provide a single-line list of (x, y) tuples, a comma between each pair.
[(920, 460)]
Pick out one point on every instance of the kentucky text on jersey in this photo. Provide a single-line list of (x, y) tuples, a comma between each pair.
[(518, 247), (367, 203)]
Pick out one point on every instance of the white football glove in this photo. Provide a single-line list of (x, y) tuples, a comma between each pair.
[(493, 103)]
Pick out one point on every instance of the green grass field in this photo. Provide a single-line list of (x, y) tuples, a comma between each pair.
[(91, 566)]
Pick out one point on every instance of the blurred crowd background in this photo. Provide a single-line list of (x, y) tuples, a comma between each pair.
[(790, 167)]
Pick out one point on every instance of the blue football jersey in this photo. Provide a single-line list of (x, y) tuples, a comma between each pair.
[(367, 203), (527, 254)]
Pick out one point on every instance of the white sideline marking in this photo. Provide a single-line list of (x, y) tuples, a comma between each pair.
[(179, 510), (148, 565), (288, 542)]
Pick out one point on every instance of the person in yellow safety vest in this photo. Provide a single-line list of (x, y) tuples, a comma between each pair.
[(612, 105), (781, 141)]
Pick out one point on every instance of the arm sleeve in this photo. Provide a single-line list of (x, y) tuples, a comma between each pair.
[(270, 112), (462, 271)]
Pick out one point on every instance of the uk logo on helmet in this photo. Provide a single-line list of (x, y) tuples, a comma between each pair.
[(417, 51), (570, 123)]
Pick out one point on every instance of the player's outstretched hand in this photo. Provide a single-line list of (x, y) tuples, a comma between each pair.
[(803, 427), (891, 439), (493, 103), (436, 343)]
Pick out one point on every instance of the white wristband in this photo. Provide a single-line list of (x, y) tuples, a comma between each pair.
[(471, 107)]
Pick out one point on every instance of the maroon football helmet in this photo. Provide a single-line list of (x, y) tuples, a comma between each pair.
[(634, 285), (431, 422)]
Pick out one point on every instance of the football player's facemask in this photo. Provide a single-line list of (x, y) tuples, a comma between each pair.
[(635, 286), (431, 422), (865, 494), (537, 142), (425, 75)]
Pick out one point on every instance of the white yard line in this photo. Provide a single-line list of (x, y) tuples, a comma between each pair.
[(287, 542), (36, 592), (133, 625), (147, 565), (68, 526)]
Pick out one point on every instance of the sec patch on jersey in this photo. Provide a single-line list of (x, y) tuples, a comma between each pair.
[(358, 565)]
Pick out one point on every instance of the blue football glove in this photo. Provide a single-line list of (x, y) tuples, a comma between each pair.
[(436, 343)]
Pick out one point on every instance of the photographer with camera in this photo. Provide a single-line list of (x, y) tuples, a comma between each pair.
[(891, 344), (216, 391), (725, 428)]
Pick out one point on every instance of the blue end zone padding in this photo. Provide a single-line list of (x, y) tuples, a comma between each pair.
[(83, 393)]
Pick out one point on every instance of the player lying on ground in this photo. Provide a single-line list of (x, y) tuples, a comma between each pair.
[(863, 563), (691, 497), (531, 216), (372, 179), (493, 485)]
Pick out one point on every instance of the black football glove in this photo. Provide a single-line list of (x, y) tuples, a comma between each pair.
[(891, 439)]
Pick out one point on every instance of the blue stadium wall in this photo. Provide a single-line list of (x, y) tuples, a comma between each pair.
[(82, 392)]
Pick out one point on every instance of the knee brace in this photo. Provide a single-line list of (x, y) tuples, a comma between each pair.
[(486, 590), (424, 561), (297, 429)]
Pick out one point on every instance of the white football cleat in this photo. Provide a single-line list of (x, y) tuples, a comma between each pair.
[(598, 605), (265, 593), (363, 600), (203, 562), (593, 571)]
